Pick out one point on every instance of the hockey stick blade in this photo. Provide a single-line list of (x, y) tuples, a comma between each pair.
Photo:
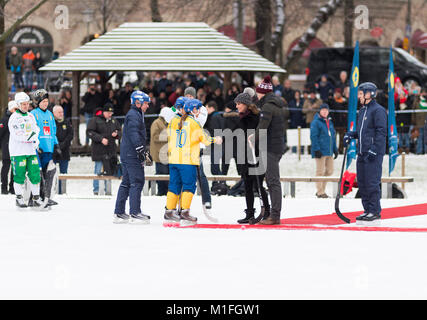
[(337, 199)]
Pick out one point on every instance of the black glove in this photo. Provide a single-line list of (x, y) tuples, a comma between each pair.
[(317, 154), (148, 158), (335, 154), (371, 155), (140, 153), (348, 137), (57, 151)]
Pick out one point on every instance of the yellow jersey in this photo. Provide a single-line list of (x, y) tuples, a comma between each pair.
[(184, 144)]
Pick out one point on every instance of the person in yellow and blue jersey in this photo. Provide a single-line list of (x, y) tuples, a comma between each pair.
[(184, 136)]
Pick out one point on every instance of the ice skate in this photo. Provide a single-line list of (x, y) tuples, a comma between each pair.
[(360, 218), (187, 219), (39, 204), (172, 218), (20, 203), (139, 218), (370, 220), (121, 218)]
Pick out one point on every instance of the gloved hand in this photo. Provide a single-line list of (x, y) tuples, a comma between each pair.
[(140, 153), (317, 154), (148, 158), (371, 155), (57, 150), (335, 154), (348, 137)]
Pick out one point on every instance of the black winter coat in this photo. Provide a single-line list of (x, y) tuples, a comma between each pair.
[(65, 134), (99, 128), (272, 119), (93, 101), (248, 122), (4, 135), (214, 121)]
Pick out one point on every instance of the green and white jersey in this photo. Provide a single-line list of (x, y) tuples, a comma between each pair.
[(24, 134)]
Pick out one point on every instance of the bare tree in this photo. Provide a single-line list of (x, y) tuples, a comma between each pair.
[(155, 13), (348, 22), (4, 34), (322, 15)]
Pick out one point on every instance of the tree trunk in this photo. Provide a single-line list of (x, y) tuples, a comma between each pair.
[(321, 17), (155, 13), (277, 37), (239, 16), (348, 22), (263, 27)]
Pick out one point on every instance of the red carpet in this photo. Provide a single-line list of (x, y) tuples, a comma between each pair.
[(332, 222)]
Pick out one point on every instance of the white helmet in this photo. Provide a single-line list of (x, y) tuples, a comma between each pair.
[(12, 105), (21, 97)]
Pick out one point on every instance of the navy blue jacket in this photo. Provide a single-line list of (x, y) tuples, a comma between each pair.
[(322, 139), (372, 129), (134, 135)]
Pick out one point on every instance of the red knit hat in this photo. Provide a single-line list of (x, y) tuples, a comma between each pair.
[(265, 86)]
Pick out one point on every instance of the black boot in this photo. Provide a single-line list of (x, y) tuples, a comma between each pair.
[(249, 216)]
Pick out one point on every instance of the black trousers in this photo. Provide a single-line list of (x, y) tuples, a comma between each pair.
[(4, 175), (250, 186)]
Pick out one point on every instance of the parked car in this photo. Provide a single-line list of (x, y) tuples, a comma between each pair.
[(373, 65)]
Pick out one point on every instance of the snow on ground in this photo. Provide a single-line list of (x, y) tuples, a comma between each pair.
[(75, 251)]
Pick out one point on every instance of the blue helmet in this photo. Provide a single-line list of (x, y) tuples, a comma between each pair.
[(190, 104), (368, 87), (139, 96), (179, 103)]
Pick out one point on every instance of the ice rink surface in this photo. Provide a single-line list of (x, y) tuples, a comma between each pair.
[(75, 251)]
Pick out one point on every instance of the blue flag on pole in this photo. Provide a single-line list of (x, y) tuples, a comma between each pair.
[(392, 134), (352, 104)]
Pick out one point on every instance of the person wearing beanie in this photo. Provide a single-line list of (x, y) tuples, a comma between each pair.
[(4, 143), (323, 146), (271, 125), (190, 92), (248, 121), (158, 151)]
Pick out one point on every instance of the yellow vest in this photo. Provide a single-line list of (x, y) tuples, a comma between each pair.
[(183, 145)]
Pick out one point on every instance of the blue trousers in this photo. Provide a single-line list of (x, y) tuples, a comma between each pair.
[(97, 170), (45, 157), (63, 168), (369, 182), (133, 180), (182, 177), (162, 186)]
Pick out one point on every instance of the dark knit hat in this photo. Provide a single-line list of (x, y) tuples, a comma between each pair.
[(244, 98), (265, 86)]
